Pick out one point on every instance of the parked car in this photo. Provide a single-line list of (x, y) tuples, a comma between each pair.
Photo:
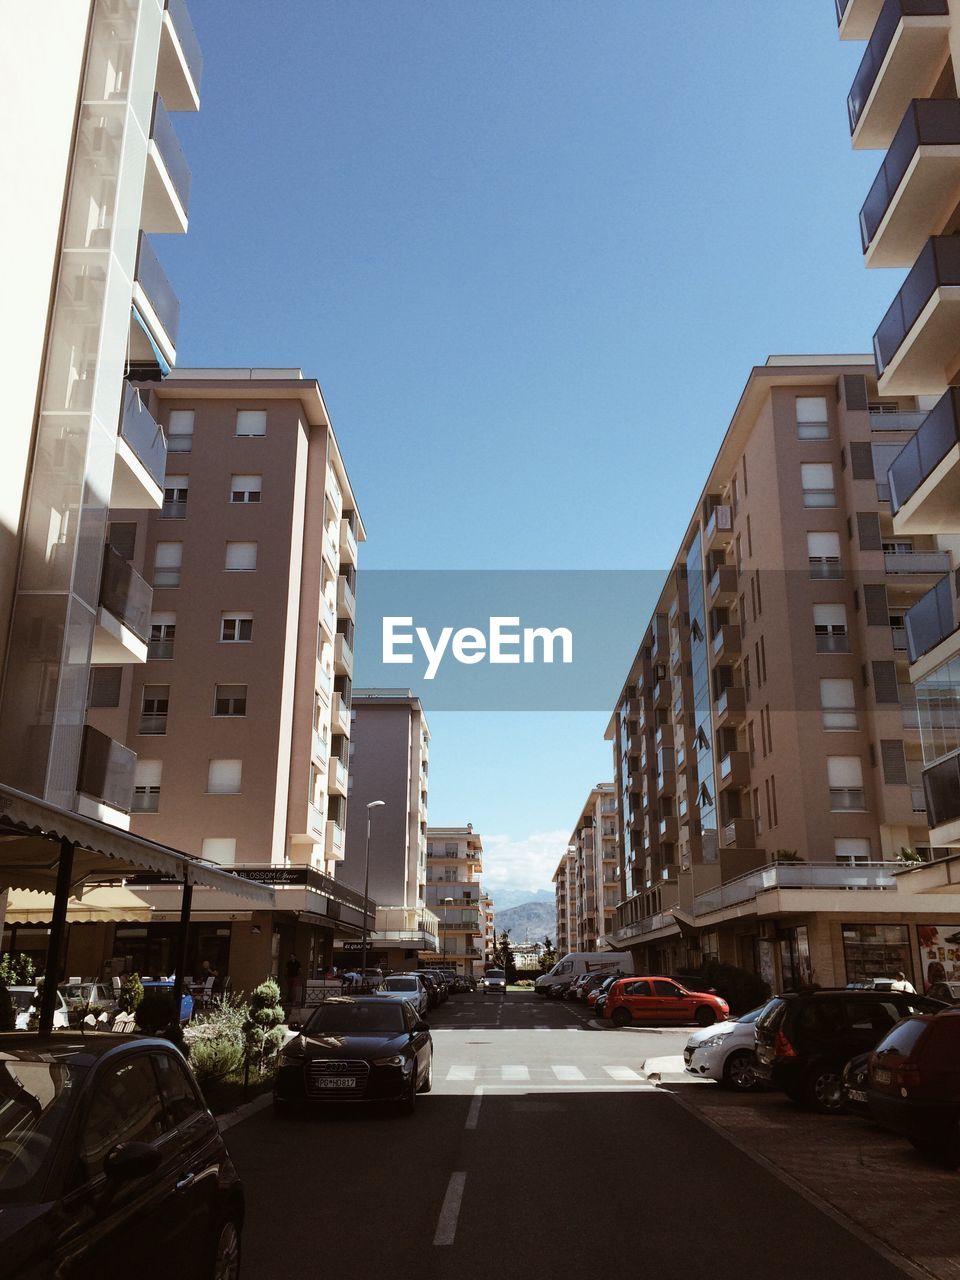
[(85, 998), (495, 980), (104, 1138), (432, 989), (804, 1040), (576, 963), (853, 1084), (948, 992), (597, 996), (411, 988), (726, 1052), (655, 999), (356, 1049), (26, 1001), (443, 991), (913, 1084), (453, 980), (692, 982)]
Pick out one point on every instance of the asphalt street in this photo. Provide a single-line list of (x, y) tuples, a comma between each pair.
[(542, 1151)]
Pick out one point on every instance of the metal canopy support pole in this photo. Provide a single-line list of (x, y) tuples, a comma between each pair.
[(58, 929), (366, 902), (186, 900)]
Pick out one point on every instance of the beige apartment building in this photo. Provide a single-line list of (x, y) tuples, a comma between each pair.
[(454, 893), (768, 760), (565, 890), (390, 761), (594, 884), (489, 928)]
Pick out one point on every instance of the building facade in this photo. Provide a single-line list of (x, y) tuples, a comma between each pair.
[(565, 889), (595, 869), (455, 894), (768, 760)]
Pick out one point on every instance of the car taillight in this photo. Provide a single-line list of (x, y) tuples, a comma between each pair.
[(782, 1047)]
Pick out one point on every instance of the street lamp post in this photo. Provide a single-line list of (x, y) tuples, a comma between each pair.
[(374, 804)]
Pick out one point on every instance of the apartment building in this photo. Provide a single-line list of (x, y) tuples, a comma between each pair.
[(390, 761), (594, 890), (489, 928), (240, 716), (768, 760), (565, 889), (455, 894), (93, 169), (904, 103)]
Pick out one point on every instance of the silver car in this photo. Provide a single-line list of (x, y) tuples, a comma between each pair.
[(411, 988)]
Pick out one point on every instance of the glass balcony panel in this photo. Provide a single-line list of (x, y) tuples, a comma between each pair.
[(928, 122), (171, 152), (931, 619), (140, 430), (158, 290), (107, 770), (125, 594), (891, 15)]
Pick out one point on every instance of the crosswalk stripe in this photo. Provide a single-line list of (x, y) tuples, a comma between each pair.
[(574, 1028), (623, 1073), (515, 1073), (462, 1073), (568, 1073)]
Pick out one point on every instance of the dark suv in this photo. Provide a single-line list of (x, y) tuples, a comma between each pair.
[(913, 1085), (805, 1039)]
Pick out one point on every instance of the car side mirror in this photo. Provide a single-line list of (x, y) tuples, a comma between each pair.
[(131, 1160), (422, 1026), (294, 1026)]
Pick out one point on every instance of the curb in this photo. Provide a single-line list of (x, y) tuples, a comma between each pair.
[(231, 1118)]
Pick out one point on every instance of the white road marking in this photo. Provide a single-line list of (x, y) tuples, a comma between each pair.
[(623, 1073), (450, 1211), (462, 1073), (568, 1073), (574, 1028), (473, 1115), (543, 1028), (515, 1073)]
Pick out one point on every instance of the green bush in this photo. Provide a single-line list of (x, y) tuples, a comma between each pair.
[(17, 970), (741, 989), (154, 1013), (214, 1057), (8, 1014), (262, 1030), (131, 993)]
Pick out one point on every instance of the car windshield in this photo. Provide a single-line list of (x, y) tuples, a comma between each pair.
[(35, 1100), (400, 984), (22, 997), (903, 1036), (753, 1015), (495, 973), (375, 1018)]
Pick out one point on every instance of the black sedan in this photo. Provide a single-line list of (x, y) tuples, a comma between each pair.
[(356, 1049), (111, 1162)]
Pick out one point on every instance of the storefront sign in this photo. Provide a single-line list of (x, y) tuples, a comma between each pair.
[(939, 953)]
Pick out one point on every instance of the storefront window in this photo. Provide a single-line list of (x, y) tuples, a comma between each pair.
[(795, 958), (939, 953), (876, 951)]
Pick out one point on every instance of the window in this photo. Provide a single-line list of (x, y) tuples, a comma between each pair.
[(316, 787), (122, 538), (251, 422), (176, 1090), (105, 686), (163, 632), (823, 552), (146, 786), (851, 851), (236, 627), (167, 561), (125, 1107), (759, 598), (662, 988), (830, 628), (154, 708), (174, 498), (845, 779), (812, 418), (752, 745), (223, 777), (763, 660), (883, 457), (757, 820), (245, 488), (766, 716), (230, 700), (838, 704), (738, 553), (241, 556), (180, 431), (766, 788), (816, 479), (749, 534), (875, 950), (222, 849), (773, 794)]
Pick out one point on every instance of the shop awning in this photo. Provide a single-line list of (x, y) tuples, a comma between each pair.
[(113, 903)]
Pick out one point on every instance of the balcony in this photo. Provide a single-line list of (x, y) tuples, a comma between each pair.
[(735, 770), (847, 800), (904, 55), (898, 636), (407, 926), (106, 774), (816, 875), (925, 475), (718, 533), (328, 617), (731, 706), (340, 715), (664, 736), (917, 340), (141, 458), (941, 784), (896, 421), (180, 65), (343, 656), (932, 619), (917, 562), (739, 833), (726, 644), (346, 600), (153, 331), (722, 588), (667, 776), (166, 186), (336, 776), (348, 543), (857, 18), (662, 693), (668, 829), (319, 748), (333, 842), (331, 547), (123, 618), (917, 188)]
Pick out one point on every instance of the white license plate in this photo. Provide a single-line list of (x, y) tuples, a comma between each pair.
[(338, 1082), (882, 1077), (856, 1095)]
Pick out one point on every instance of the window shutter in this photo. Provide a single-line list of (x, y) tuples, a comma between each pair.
[(829, 615), (885, 688), (223, 777), (251, 422), (147, 773), (837, 694), (826, 545), (894, 761), (875, 603), (241, 555), (855, 391), (105, 686), (861, 460), (168, 555), (868, 530), (845, 772), (816, 475)]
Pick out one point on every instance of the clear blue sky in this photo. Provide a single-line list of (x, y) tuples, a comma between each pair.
[(531, 250)]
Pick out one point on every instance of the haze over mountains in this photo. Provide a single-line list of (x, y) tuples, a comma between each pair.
[(528, 921)]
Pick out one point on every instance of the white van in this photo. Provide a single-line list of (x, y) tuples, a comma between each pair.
[(577, 963)]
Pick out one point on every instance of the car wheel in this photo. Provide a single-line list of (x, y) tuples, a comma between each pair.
[(740, 1071), (705, 1016), (427, 1083), (823, 1092), (226, 1251), (621, 1017), (408, 1104)]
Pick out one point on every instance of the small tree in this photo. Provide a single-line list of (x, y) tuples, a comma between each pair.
[(787, 856), (548, 957), (131, 993), (17, 970), (262, 1030), (503, 957), (909, 857)]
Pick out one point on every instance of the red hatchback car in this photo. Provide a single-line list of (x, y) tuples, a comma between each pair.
[(661, 1000)]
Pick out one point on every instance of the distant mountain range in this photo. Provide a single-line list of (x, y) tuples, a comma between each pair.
[(503, 898), (528, 921)]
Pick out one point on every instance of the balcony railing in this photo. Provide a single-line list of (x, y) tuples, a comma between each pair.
[(125, 594), (143, 434), (934, 121), (938, 264), (844, 799), (814, 875), (189, 43), (158, 290), (833, 642), (160, 649), (941, 783), (889, 20), (826, 567), (931, 619), (107, 770), (896, 421), (917, 562), (919, 457), (171, 153)]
